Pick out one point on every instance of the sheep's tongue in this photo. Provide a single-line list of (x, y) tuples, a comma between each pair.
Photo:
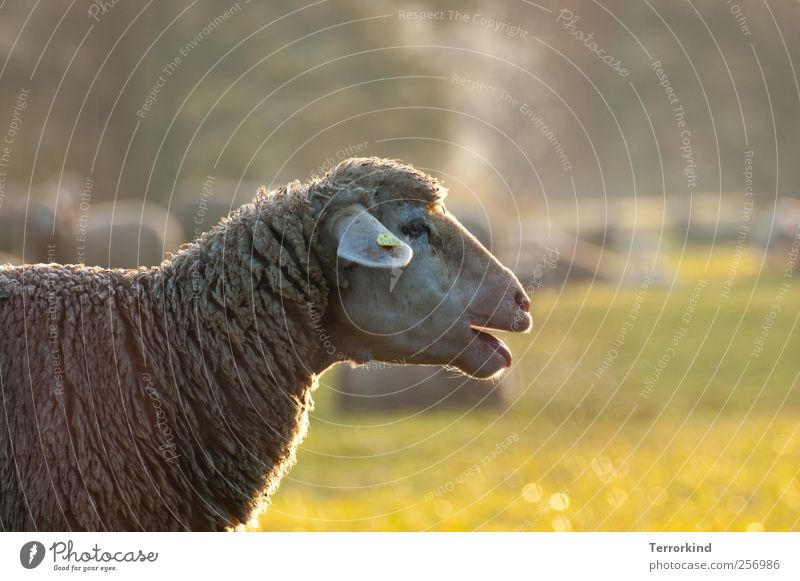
[(495, 344)]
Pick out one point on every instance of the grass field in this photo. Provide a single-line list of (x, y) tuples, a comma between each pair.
[(706, 440)]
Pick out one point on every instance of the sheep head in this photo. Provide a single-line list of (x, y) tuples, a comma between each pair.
[(419, 287)]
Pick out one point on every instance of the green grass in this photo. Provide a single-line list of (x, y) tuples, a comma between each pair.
[(714, 445)]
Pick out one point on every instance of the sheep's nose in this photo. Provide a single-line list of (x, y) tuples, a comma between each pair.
[(523, 301)]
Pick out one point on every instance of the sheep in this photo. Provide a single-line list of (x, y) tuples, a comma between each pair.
[(174, 397), (123, 234), (380, 386), (37, 221)]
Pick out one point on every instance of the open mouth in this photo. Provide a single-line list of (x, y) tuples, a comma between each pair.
[(493, 343)]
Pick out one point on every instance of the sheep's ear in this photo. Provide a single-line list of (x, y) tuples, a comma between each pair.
[(362, 239)]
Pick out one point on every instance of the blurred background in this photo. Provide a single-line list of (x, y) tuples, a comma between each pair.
[(635, 163)]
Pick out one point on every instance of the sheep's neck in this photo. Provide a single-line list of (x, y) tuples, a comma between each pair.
[(240, 363), (228, 283)]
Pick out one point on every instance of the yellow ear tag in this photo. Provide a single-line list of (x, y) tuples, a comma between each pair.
[(388, 240)]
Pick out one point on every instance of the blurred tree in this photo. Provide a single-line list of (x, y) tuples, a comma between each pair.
[(270, 91), (141, 96)]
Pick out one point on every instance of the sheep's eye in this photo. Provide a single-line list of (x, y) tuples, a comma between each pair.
[(416, 229)]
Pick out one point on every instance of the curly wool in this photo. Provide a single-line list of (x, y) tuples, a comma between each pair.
[(173, 398)]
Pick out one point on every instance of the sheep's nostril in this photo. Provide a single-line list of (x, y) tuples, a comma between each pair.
[(523, 301)]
